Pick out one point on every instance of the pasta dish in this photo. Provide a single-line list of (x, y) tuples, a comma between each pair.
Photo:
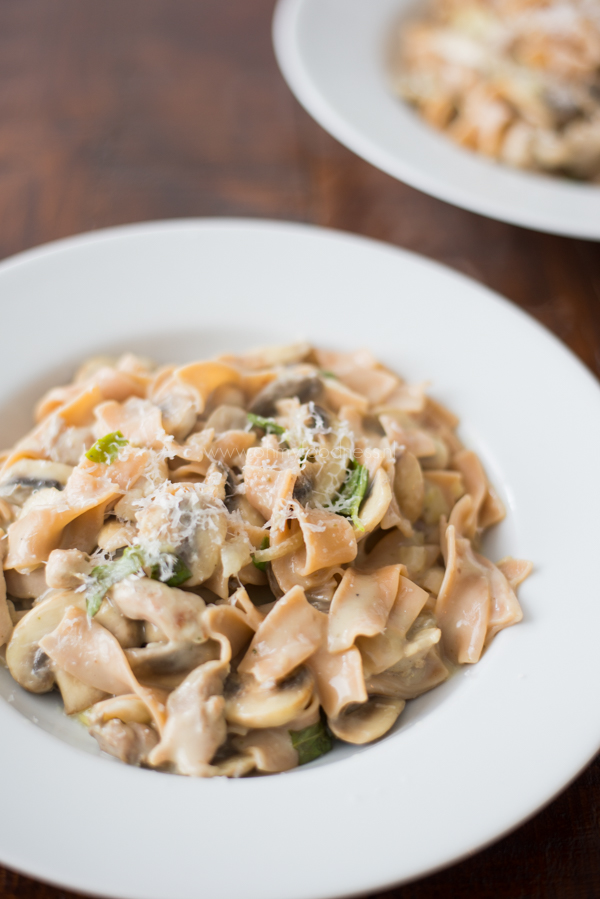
[(225, 566), (517, 80)]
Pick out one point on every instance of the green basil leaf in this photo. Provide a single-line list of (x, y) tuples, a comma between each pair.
[(311, 742), (262, 566), (131, 562), (353, 492), (180, 572), (267, 424), (107, 448), (107, 575)]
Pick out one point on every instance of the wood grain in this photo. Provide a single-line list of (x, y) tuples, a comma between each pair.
[(126, 110)]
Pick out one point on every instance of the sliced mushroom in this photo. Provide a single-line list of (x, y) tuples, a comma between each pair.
[(435, 505), (116, 534), (250, 515), (418, 559), (403, 431), (408, 486), (131, 743), (375, 505), (26, 586), (66, 569), (271, 705), (14, 616), (233, 766), (177, 613), (369, 721), (320, 597), (270, 749), (230, 483), (128, 632), (304, 387), (27, 476), (408, 683), (225, 395), (128, 708), (76, 695), (166, 665), (227, 418), (179, 405), (215, 481), (82, 532), (128, 506), (303, 488), (27, 663), (440, 458), (320, 418), (338, 395)]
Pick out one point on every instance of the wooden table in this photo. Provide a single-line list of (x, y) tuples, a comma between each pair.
[(124, 110)]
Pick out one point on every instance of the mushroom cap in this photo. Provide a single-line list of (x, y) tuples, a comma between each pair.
[(305, 387), (369, 721), (375, 505), (227, 418), (166, 665), (26, 661), (27, 476), (271, 705)]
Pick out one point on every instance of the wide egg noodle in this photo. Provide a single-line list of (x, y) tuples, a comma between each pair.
[(33, 536), (241, 596)]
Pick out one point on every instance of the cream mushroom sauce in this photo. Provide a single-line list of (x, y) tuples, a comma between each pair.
[(226, 565)]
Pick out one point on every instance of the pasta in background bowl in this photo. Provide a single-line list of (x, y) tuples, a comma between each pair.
[(170, 292), (222, 565), (335, 56), (513, 79)]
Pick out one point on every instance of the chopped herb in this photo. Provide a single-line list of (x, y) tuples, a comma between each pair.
[(107, 448), (267, 424), (261, 565), (179, 571), (353, 492), (327, 374), (131, 562), (106, 576), (305, 454), (311, 742)]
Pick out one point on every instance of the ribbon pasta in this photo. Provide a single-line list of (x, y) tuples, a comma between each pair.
[(273, 550)]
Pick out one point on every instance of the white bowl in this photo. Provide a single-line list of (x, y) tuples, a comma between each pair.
[(332, 55), (468, 761)]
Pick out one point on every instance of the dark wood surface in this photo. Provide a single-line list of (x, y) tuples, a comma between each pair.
[(124, 110)]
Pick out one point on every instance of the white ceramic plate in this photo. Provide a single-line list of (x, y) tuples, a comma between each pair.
[(469, 760), (332, 54)]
